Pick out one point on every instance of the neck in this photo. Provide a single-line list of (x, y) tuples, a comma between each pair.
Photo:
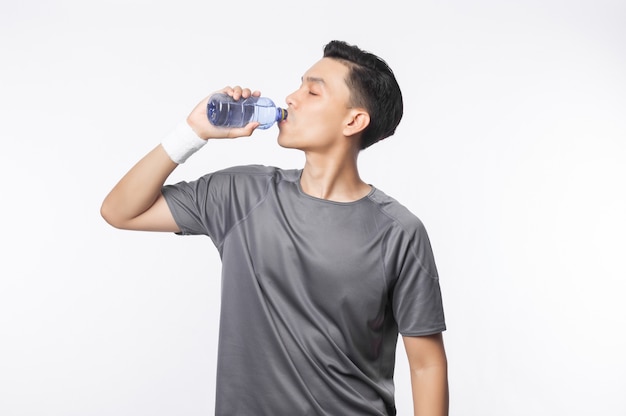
[(335, 178)]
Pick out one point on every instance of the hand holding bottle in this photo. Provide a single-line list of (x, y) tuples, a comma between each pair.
[(199, 121)]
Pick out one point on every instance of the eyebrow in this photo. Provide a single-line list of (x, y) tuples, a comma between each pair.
[(316, 80)]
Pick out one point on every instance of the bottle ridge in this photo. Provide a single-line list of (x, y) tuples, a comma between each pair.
[(224, 111)]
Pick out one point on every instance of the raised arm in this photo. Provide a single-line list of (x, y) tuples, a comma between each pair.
[(429, 374), (136, 202)]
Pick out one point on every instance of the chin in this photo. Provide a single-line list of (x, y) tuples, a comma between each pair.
[(284, 141)]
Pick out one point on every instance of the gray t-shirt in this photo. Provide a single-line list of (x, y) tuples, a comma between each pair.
[(314, 292)]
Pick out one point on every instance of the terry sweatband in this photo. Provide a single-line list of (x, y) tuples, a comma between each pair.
[(182, 142)]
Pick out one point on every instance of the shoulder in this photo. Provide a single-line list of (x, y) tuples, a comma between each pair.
[(404, 218), (259, 172), (255, 170), (250, 180), (407, 232), (231, 181)]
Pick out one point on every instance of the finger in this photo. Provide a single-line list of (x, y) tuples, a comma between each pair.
[(237, 90), (245, 131), (226, 90)]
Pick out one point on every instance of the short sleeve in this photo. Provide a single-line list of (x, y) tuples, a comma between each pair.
[(416, 296), (214, 203)]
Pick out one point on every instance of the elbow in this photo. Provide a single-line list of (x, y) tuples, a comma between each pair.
[(109, 214), (106, 214)]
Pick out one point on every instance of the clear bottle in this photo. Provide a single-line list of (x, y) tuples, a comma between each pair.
[(224, 111)]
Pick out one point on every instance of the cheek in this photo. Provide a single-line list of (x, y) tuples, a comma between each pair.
[(316, 130)]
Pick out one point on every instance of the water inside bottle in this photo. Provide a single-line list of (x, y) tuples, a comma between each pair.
[(228, 113)]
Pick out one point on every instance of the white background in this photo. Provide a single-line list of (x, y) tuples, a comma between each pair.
[(511, 151)]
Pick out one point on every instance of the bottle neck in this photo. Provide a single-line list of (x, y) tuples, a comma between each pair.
[(281, 114)]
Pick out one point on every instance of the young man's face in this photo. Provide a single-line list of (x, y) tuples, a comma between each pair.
[(318, 109)]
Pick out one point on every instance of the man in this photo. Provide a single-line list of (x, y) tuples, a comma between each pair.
[(320, 271)]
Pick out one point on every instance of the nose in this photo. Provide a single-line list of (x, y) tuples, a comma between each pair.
[(290, 99)]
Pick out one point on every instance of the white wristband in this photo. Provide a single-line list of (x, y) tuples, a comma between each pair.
[(182, 142)]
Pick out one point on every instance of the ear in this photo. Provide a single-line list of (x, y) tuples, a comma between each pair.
[(357, 122)]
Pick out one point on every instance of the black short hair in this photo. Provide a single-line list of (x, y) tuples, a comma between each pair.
[(373, 86)]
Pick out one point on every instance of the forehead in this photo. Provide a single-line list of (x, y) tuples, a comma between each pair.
[(329, 72)]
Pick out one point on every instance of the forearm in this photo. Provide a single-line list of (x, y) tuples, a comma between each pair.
[(429, 374), (430, 390), (137, 191)]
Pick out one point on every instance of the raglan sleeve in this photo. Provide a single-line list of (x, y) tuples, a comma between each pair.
[(214, 203), (416, 295)]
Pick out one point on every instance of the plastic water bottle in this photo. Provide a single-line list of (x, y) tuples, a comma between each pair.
[(224, 111)]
